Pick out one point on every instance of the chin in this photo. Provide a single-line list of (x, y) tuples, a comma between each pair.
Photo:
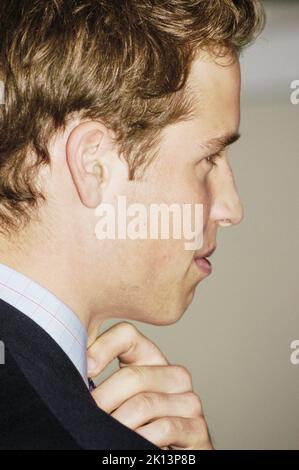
[(170, 314)]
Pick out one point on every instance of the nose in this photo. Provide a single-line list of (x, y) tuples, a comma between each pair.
[(227, 208)]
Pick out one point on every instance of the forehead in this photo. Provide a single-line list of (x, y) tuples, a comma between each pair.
[(215, 87), (215, 98)]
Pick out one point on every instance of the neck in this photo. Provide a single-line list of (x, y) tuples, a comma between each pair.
[(43, 260)]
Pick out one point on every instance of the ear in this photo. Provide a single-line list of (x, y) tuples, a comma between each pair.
[(86, 147)]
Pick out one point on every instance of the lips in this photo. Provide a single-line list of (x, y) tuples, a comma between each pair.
[(203, 263)]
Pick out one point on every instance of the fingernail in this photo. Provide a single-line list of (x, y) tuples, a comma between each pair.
[(91, 364)]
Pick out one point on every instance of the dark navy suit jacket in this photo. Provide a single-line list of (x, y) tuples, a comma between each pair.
[(44, 403)]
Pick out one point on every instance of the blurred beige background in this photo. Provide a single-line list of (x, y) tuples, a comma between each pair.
[(235, 338)]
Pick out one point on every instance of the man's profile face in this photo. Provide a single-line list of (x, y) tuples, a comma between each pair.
[(154, 280)]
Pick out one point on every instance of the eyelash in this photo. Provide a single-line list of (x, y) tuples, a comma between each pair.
[(212, 159)]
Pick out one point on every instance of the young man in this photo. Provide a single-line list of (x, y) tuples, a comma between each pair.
[(131, 98)]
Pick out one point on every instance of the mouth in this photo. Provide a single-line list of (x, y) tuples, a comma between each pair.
[(203, 263)]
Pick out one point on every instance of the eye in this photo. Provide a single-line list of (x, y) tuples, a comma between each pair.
[(212, 158)]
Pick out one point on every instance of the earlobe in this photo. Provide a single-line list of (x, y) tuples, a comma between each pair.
[(85, 149)]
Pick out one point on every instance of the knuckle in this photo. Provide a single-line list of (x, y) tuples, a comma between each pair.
[(128, 329), (203, 426), (184, 376), (167, 427), (204, 433), (193, 429), (196, 404)]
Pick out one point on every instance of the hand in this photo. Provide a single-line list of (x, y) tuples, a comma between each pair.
[(147, 394)]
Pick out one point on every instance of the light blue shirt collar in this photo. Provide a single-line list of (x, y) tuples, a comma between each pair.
[(50, 313)]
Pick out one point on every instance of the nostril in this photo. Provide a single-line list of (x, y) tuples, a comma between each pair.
[(225, 222)]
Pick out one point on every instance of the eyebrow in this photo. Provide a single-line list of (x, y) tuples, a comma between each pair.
[(219, 143)]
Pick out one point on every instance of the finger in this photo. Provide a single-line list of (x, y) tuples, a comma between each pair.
[(177, 432), (125, 342), (129, 381), (144, 407)]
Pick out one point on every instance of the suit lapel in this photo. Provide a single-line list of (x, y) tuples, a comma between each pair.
[(57, 381)]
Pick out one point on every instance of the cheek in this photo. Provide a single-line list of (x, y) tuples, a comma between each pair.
[(167, 259), (198, 193)]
